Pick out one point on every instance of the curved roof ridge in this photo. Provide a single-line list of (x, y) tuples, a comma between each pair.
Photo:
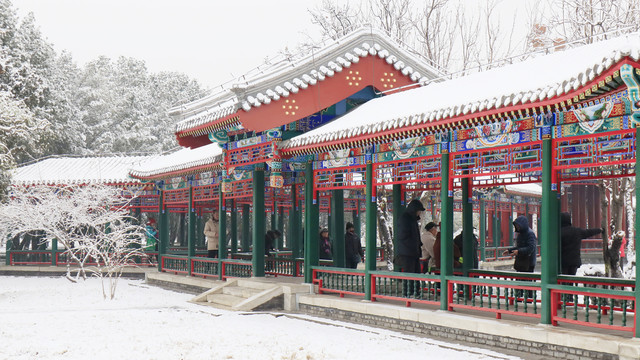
[(288, 76)]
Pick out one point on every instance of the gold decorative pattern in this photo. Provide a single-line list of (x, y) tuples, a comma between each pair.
[(290, 107), (354, 78), (388, 80)]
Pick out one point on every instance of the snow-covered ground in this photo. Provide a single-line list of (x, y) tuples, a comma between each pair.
[(52, 318)]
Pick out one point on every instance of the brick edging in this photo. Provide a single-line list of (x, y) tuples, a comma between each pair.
[(467, 337)]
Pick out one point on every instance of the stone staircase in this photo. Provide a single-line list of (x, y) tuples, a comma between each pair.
[(253, 294)]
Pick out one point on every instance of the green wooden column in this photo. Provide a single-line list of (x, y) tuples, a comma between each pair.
[(337, 209), (397, 211), (549, 236), (191, 226), (163, 230), (272, 222), (370, 236), (311, 224), (467, 226), (222, 226), (292, 236), (637, 233), (356, 222), (279, 243), (446, 231), (200, 232), (246, 226), (234, 226), (54, 250), (259, 228), (483, 228)]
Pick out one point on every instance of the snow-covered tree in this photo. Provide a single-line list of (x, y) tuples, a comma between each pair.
[(91, 223)]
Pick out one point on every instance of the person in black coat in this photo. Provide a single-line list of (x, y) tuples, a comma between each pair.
[(459, 242), (571, 239), (526, 242), (353, 248), (326, 251), (408, 247), (269, 240)]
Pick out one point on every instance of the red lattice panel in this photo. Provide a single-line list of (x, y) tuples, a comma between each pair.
[(595, 156), (179, 196), (206, 193), (240, 189), (351, 177), (249, 155), (426, 169)]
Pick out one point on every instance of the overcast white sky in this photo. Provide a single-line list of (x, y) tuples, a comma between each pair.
[(209, 40), (206, 39)]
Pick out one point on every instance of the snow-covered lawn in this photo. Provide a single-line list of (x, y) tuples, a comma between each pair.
[(52, 318)]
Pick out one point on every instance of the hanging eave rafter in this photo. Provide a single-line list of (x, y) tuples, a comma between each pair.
[(606, 81), (219, 124)]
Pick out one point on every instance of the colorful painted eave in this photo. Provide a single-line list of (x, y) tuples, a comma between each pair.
[(279, 86), (179, 163), (537, 85), (108, 170)]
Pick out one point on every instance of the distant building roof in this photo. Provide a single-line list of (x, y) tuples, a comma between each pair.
[(178, 162), (77, 170)]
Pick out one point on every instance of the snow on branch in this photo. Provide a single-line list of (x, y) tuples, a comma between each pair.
[(91, 223)]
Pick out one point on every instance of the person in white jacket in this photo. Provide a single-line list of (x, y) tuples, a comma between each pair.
[(211, 231), (427, 260)]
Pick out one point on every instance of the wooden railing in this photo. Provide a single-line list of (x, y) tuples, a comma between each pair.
[(586, 301)]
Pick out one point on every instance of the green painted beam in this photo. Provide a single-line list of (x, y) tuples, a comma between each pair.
[(234, 226), (222, 226), (483, 228), (467, 227), (370, 235), (446, 231), (311, 224), (292, 236), (191, 226), (246, 228), (637, 235), (280, 223), (54, 250), (259, 228), (550, 231), (337, 208), (163, 229)]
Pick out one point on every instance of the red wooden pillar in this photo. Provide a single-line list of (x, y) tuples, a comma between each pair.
[(598, 209), (505, 223), (490, 227)]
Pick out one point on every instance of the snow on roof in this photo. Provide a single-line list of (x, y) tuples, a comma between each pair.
[(76, 170), (289, 76), (180, 160), (534, 189), (530, 81)]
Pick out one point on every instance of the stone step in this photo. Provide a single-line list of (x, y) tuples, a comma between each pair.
[(255, 284), (240, 291), (225, 299)]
